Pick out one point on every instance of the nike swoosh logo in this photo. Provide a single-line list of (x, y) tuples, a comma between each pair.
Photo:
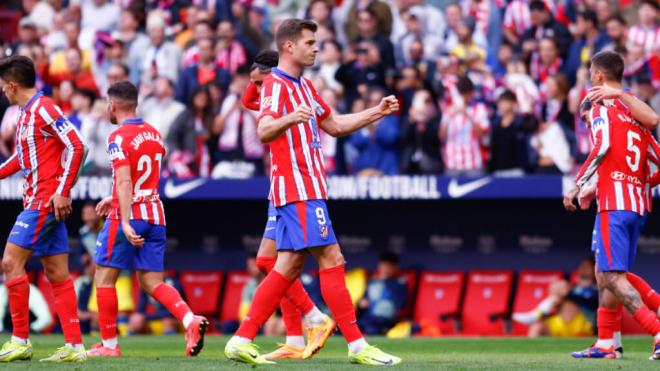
[(456, 190), (252, 355), (174, 191), (270, 229), (388, 362)]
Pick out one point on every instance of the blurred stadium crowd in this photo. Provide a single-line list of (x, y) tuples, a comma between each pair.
[(485, 85)]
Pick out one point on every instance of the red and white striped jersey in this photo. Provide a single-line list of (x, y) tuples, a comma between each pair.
[(49, 152), (517, 17), (619, 158), (297, 168), (462, 149), (138, 145), (649, 38)]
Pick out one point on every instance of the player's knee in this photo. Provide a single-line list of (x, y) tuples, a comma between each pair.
[(55, 274), (9, 265)]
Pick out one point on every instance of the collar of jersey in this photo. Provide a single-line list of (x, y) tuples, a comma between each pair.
[(134, 121), (34, 97), (285, 75)]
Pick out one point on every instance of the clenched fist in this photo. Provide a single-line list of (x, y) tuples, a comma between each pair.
[(301, 114), (389, 105)]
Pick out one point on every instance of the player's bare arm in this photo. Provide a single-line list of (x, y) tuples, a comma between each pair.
[(341, 125), (639, 110), (270, 128), (125, 195)]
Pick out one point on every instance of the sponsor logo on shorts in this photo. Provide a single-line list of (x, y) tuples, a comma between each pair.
[(22, 224)]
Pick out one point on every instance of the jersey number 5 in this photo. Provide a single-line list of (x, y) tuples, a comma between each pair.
[(633, 162), (144, 164)]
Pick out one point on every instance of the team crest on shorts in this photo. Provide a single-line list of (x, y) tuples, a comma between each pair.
[(323, 231)]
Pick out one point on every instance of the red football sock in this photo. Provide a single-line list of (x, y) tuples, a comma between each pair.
[(618, 317), (292, 318), (648, 320), (605, 322), (649, 296), (106, 297), (19, 306), (294, 303), (66, 305), (336, 296), (171, 299), (265, 301)]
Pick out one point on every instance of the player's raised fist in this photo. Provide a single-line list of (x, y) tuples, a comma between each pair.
[(388, 105), (302, 114)]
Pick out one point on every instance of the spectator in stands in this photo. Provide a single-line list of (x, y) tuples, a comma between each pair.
[(435, 20), (156, 321), (231, 52), (100, 15), (40, 316), (27, 34), (95, 131), (516, 21), (419, 132), (8, 130), (363, 71), (116, 72), (162, 56), (82, 102), (509, 142), (110, 51), (40, 12), (241, 151), (470, 54), (159, 108), (377, 144), (202, 72), (463, 132), (570, 308), (555, 105), (646, 33), (329, 62), (59, 62), (75, 73), (201, 30), (552, 150), (135, 42), (415, 20), (380, 9), (547, 62), (455, 20), (190, 142), (589, 40), (637, 66), (616, 28), (385, 297), (368, 31), (544, 25), (253, 25)]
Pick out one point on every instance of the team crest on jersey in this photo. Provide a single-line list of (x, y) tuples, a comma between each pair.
[(598, 121), (267, 102), (63, 125), (324, 231)]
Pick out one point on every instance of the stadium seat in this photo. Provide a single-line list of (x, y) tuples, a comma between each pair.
[(231, 297), (486, 303), (532, 287), (202, 290), (438, 300)]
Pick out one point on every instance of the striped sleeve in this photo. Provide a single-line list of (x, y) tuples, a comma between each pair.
[(600, 127), (70, 137), (10, 167), (273, 95)]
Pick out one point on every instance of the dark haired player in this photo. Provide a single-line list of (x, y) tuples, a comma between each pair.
[(49, 153)]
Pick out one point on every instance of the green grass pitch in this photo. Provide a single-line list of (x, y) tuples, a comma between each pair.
[(166, 353)]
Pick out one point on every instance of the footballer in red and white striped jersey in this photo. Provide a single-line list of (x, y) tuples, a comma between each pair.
[(649, 38), (297, 169), (619, 158), (49, 152), (138, 145)]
